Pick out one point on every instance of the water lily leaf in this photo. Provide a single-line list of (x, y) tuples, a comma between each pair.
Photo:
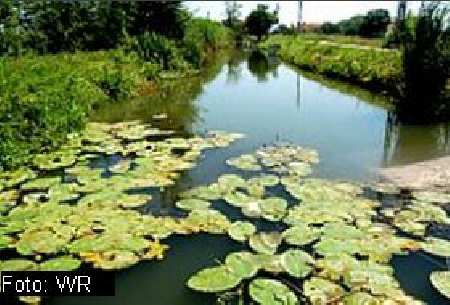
[(441, 281), (17, 265), (8, 200), (5, 241), (64, 192), (55, 160), (211, 192), (210, 221), (245, 162), (241, 230), (12, 179), (113, 260), (156, 250), (269, 262), (273, 209), (215, 279), (321, 291), (192, 204), (108, 242), (121, 167), (271, 292), (436, 246), (265, 180), (41, 241), (242, 264), (297, 263), (40, 184), (62, 263), (429, 196), (361, 298), (301, 235), (229, 182), (265, 243), (239, 199)]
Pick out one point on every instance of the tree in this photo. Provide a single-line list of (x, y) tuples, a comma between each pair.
[(375, 23), (329, 28), (351, 26), (233, 13), (260, 21), (426, 66)]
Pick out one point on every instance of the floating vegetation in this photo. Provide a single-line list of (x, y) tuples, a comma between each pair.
[(441, 281), (328, 243)]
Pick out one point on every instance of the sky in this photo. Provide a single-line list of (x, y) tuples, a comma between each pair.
[(313, 11)]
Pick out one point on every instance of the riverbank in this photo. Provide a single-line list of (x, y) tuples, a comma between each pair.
[(45, 98), (369, 67), (427, 175)]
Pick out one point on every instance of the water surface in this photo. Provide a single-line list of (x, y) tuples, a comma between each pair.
[(354, 131)]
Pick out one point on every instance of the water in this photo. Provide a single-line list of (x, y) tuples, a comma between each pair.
[(353, 130)]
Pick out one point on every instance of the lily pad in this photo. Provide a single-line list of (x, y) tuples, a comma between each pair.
[(429, 196), (229, 182), (40, 184), (271, 292), (297, 263), (241, 230), (265, 243), (17, 265), (436, 246), (441, 281), (301, 235), (273, 209), (217, 279), (192, 204), (63, 263), (245, 162), (242, 264), (321, 291)]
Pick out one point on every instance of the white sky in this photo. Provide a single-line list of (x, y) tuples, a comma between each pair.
[(313, 11)]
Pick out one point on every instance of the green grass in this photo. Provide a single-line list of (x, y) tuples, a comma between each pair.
[(370, 68), (341, 39)]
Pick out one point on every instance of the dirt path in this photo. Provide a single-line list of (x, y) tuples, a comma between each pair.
[(432, 174)]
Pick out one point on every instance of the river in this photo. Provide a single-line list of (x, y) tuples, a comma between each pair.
[(353, 130)]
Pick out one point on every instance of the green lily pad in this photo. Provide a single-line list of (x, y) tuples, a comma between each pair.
[(301, 235), (265, 243), (192, 204), (114, 260), (245, 162), (55, 160), (5, 241), (436, 246), (229, 182), (239, 199), (211, 192), (41, 241), (242, 264), (12, 179), (241, 230), (17, 265), (62, 263), (321, 291), (429, 196), (361, 298), (297, 263), (108, 242), (265, 180), (441, 281), (40, 184), (217, 279), (271, 292), (273, 209)]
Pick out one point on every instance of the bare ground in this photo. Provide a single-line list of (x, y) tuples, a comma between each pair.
[(432, 174)]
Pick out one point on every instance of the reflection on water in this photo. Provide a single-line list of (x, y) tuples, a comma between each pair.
[(405, 144), (353, 130)]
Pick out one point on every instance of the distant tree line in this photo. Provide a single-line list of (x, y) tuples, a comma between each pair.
[(374, 24), (54, 26)]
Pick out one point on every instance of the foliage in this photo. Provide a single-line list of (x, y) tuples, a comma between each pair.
[(373, 68), (373, 24), (426, 66), (259, 21)]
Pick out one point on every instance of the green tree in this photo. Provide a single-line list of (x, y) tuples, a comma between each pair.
[(375, 23), (426, 66), (329, 28), (260, 21)]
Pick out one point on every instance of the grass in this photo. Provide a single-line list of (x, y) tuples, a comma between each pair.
[(341, 39), (370, 68)]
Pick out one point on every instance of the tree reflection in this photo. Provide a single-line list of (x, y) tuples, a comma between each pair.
[(406, 144), (261, 65)]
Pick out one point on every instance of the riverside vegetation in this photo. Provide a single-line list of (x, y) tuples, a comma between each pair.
[(43, 98)]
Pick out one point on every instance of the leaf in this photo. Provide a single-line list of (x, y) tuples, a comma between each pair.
[(436, 246), (241, 230), (265, 243), (297, 263), (271, 292), (320, 291), (242, 264), (62, 263), (441, 281), (192, 204), (300, 235), (217, 279)]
